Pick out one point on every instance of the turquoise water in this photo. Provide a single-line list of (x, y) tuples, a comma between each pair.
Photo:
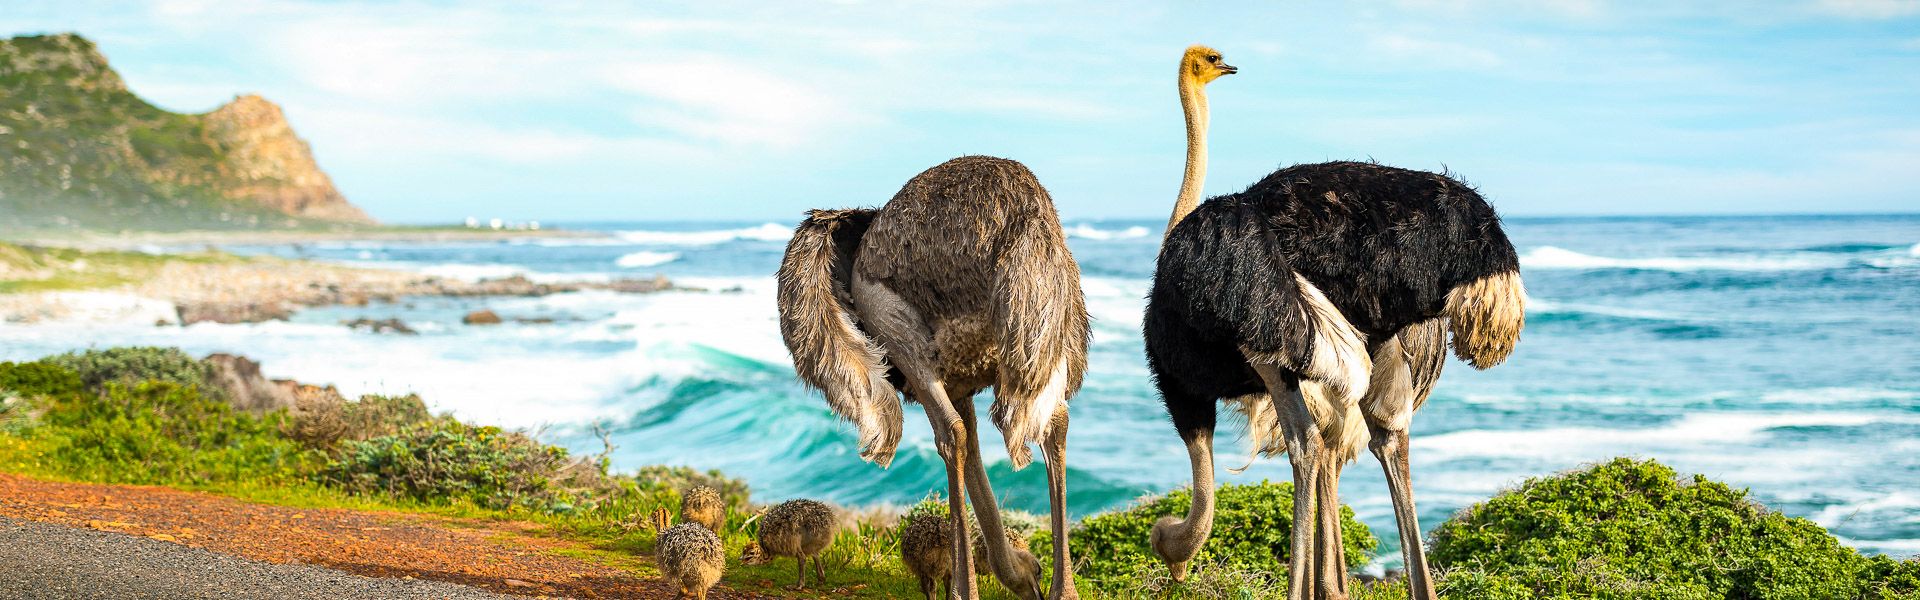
[(1774, 353)]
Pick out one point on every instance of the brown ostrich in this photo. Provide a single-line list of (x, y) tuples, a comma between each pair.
[(961, 282)]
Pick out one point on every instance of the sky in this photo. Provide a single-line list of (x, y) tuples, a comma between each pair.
[(721, 110)]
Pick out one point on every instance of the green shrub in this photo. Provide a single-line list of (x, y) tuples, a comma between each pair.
[(160, 433), (734, 491), (1252, 530), (39, 379), (132, 365), (451, 462), (1631, 529), (323, 420)]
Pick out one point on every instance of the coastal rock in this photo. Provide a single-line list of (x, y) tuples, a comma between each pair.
[(481, 317), (394, 326), (244, 386), (267, 164), (233, 312)]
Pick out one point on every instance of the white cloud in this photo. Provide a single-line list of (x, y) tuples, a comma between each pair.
[(728, 101), (1445, 54), (1870, 9)]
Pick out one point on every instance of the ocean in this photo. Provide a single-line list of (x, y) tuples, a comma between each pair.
[(1774, 353)]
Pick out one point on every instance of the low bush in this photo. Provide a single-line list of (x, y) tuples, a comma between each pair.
[(680, 479), (322, 419), (1633, 529), (149, 433), (1252, 532), (132, 365), (452, 462)]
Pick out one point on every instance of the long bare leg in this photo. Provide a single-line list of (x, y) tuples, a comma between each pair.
[(909, 344), (1306, 451), (1010, 566), (953, 449), (1055, 452), (1391, 447), (1332, 574), (800, 565)]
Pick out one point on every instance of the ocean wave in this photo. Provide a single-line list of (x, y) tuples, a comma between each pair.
[(1554, 257), (1823, 257), (1089, 232), (765, 232), (646, 258), (1580, 443)]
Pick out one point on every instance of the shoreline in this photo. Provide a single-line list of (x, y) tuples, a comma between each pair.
[(134, 240), (42, 284)]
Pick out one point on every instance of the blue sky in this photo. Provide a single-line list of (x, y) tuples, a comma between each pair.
[(728, 110)]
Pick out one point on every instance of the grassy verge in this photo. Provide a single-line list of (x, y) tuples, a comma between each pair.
[(46, 269)]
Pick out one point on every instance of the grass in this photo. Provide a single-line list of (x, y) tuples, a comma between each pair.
[(48, 269)]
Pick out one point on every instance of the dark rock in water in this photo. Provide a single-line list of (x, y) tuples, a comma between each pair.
[(380, 326), (481, 317), (233, 312), (245, 388), (634, 286)]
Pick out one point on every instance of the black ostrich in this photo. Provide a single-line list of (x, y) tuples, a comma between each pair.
[(1316, 301)]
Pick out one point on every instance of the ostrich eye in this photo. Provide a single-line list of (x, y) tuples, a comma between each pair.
[(1214, 58)]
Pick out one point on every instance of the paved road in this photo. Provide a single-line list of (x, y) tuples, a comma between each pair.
[(45, 561)]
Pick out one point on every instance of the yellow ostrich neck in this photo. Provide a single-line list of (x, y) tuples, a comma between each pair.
[(1193, 101)]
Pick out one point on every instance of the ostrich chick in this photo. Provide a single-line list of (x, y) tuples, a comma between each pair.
[(1022, 554), (800, 529), (691, 558), (703, 505), (926, 547)]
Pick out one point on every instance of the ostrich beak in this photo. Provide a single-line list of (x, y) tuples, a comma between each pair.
[(1228, 69)]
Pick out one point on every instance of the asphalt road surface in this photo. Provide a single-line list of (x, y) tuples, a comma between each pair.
[(44, 561)]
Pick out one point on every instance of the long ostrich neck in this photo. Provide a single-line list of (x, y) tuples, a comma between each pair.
[(1186, 536), (1193, 101)]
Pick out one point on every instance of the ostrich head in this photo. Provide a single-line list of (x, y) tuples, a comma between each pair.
[(1026, 580), (1204, 64)]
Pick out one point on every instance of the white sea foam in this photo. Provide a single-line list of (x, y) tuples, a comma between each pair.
[(765, 232), (1547, 307), (1896, 502), (471, 272), (88, 307), (646, 258), (1835, 395), (1089, 232), (1553, 257), (1589, 442)]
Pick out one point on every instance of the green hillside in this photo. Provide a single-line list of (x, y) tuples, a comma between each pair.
[(79, 151)]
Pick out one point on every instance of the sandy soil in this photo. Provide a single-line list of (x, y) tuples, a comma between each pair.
[(500, 557)]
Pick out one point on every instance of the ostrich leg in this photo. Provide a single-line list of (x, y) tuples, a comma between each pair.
[(1056, 457), (909, 344), (1306, 451), (1391, 448), (986, 508), (1332, 555)]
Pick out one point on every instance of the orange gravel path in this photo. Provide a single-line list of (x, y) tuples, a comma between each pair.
[(500, 557)]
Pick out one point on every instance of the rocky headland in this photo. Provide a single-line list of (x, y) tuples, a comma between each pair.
[(80, 151)]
